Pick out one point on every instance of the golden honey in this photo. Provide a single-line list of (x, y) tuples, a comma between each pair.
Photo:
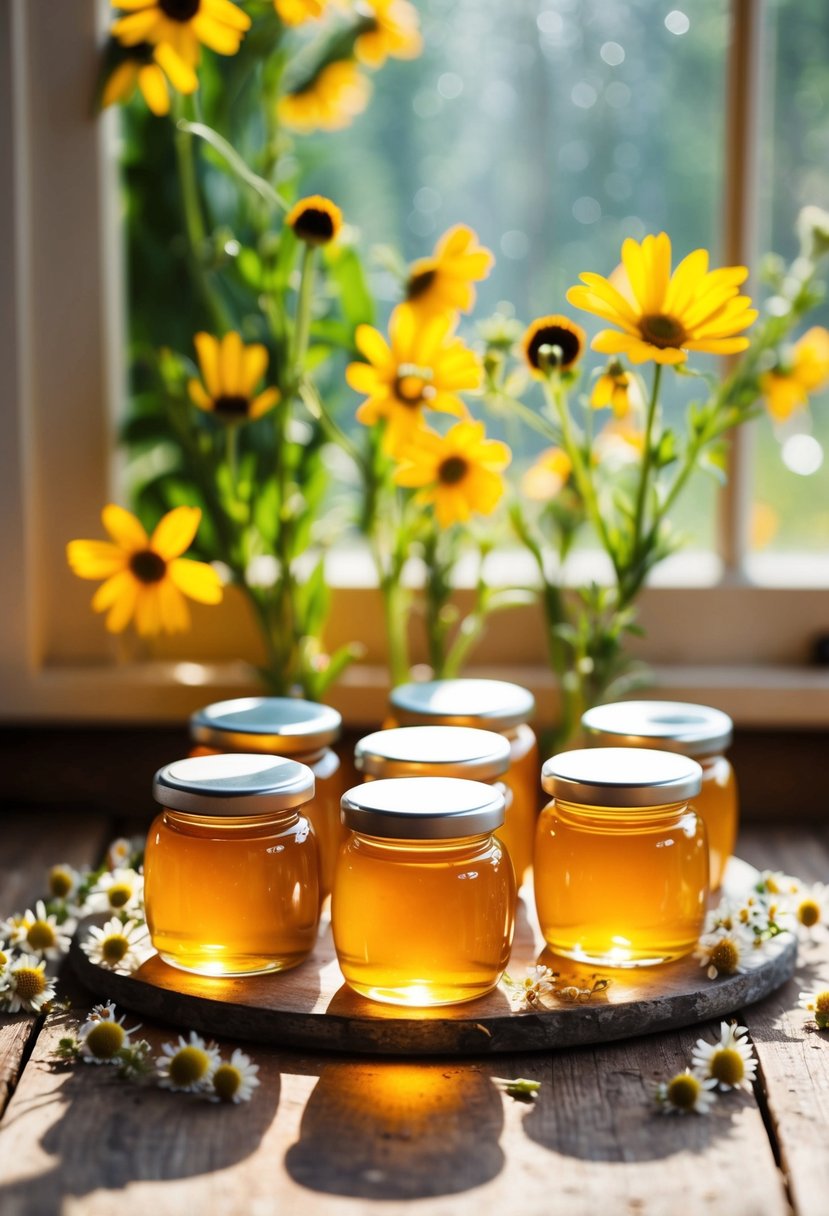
[(621, 858), (698, 731), (489, 705), (422, 911), (231, 866), (285, 726)]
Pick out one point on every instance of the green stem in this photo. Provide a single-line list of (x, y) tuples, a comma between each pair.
[(317, 409), (644, 476), (231, 454), (584, 481), (195, 227), (302, 325)]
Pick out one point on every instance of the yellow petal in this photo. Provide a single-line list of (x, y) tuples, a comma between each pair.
[(602, 392), (196, 579), (124, 528), (220, 38), (371, 343), (121, 84), (172, 607), (230, 365), (362, 377), (686, 281), (207, 349), (148, 611), (175, 532), (229, 13), (137, 27), (95, 558), (113, 589), (254, 363), (264, 402), (182, 76), (198, 396), (120, 614), (154, 90)]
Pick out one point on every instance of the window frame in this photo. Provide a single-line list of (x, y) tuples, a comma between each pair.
[(62, 346)]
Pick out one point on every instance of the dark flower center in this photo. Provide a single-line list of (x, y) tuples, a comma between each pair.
[(555, 335), (662, 331), (411, 386), (452, 470), (179, 10), (147, 566), (419, 284), (314, 226), (232, 406)]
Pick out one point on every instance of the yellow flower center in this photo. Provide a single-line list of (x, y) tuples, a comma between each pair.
[(452, 470), (419, 284), (105, 1040), (29, 982), (148, 566), (4, 958), (119, 895), (60, 882), (808, 913), (114, 948), (822, 1001), (41, 935), (226, 1082), (727, 1065), (771, 886), (662, 330), (188, 1066), (725, 956), (411, 386), (683, 1091), (180, 10)]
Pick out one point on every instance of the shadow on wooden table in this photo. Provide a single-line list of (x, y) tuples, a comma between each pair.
[(376, 1130)]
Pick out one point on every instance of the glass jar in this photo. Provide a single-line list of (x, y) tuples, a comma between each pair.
[(621, 859), (691, 730), (231, 883), (284, 726), (489, 705), (423, 906)]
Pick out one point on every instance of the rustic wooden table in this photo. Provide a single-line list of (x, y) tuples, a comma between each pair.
[(338, 1135)]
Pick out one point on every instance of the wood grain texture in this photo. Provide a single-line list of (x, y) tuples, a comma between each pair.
[(310, 1006)]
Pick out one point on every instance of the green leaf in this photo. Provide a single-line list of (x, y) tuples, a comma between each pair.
[(346, 271)]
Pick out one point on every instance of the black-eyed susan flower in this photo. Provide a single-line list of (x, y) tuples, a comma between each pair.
[(146, 577), (235, 1079), (804, 371), (618, 388), (730, 1062), (685, 1094), (553, 342), (661, 315), (328, 102), (188, 1065), (230, 372), (459, 473), (26, 985), (315, 220), (297, 12), (817, 1003), (143, 68), (181, 28), (392, 30), (120, 946), (444, 281), (545, 479), (422, 366)]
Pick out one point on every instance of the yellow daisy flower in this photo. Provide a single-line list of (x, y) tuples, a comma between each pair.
[(143, 68), (617, 388), (554, 331), (423, 366), (392, 29), (329, 102), (146, 577), (296, 12), (178, 28), (788, 386), (315, 220), (443, 282), (459, 472), (662, 315), (230, 372), (548, 476)]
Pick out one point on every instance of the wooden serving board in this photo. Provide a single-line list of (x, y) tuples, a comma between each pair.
[(311, 1006)]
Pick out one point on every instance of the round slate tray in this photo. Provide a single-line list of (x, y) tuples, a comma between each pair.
[(311, 1007)]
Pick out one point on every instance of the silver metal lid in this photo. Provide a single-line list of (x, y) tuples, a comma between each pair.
[(275, 726), (235, 784), (672, 726), (423, 808), (621, 777), (433, 751), (495, 704)]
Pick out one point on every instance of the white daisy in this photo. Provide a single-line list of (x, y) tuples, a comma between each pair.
[(235, 1079), (775, 882), (119, 891), (119, 853), (118, 947), (27, 986), (99, 1013), (730, 1061), (103, 1038), (41, 934), (810, 908), (723, 952), (817, 1002), (14, 929), (63, 882), (188, 1065), (685, 1094), (539, 982)]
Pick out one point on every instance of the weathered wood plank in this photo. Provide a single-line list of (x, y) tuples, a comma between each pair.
[(31, 843), (794, 1058)]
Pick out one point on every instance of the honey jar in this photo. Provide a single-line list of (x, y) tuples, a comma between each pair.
[(231, 882), (621, 859), (284, 726), (490, 705), (691, 730), (423, 903)]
